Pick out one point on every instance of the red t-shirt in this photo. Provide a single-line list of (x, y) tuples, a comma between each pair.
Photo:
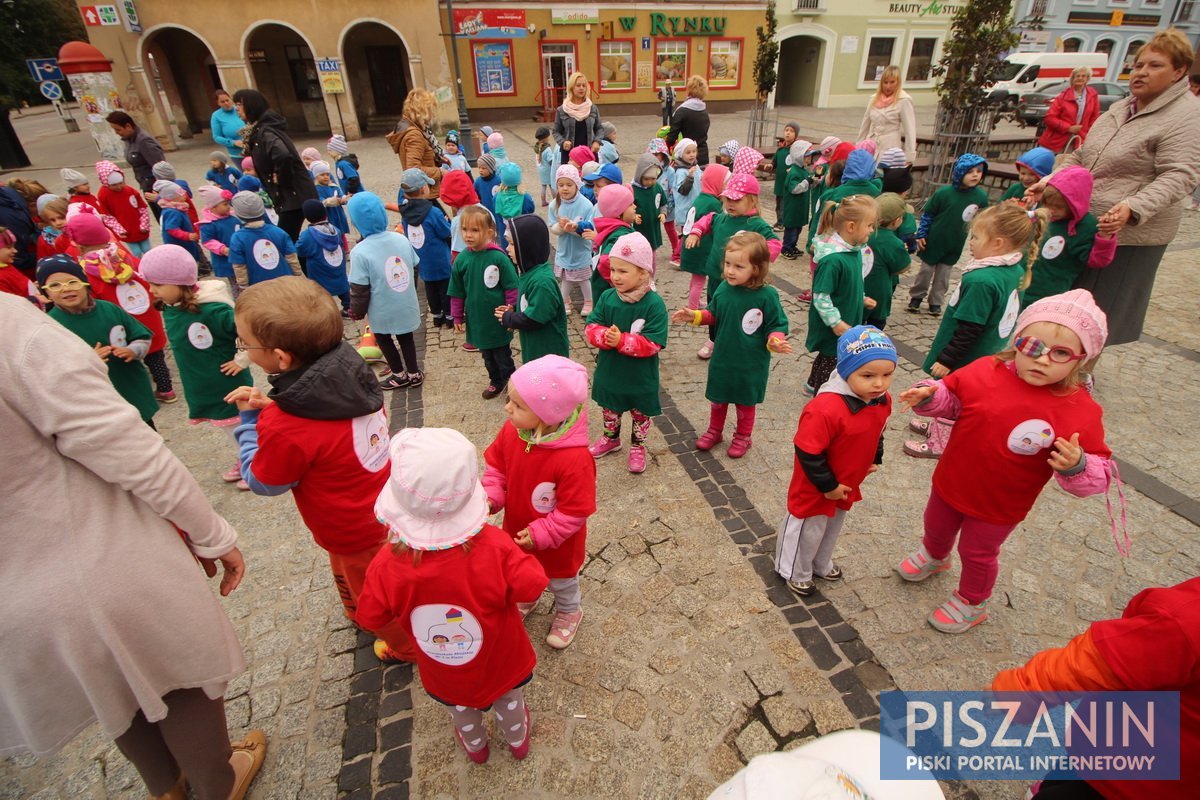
[(13, 281), (339, 467), (995, 463), (1155, 646), (134, 296), (540, 481), (849, 442), (126, 206), (460, 606)]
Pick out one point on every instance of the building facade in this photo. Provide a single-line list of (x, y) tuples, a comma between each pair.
[(1114, 27), (831, 52)]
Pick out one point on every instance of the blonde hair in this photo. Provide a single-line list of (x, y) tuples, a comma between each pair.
[(1172, 43), (890, 71), (292, 314), (573, 79), (419, 106), (477, 214), (1023, 228), (697, 87), (755, 247), (1079, 371), (58, 207), (29, 189), (855, 208)]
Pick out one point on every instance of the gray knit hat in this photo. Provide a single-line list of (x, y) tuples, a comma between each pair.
[(163, 171), (219, 155), (247, 206), (169, 190), (72, 177), (488, 161)]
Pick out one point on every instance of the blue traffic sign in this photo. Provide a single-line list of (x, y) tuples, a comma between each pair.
[(44, 69), (50, 90)]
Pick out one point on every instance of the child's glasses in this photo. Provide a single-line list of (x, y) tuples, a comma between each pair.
[(1036, 348), (242, 347), (64, 286)]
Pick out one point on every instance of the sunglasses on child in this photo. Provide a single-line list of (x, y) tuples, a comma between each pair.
[(1036, 348)]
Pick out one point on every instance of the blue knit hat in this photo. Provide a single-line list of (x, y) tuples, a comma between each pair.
[(861, 345), (510, 174)]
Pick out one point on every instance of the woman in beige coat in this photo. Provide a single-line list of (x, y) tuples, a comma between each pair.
[(1145, 155), (107, 616), (413, 139), (890, 120)]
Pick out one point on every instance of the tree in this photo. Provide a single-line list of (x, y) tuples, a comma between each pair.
[(981, 34), (765, 74), (35, 29)]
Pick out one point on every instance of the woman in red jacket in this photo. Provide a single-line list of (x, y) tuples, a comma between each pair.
[(1072, 113)]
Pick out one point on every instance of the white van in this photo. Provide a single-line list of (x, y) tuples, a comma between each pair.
[(1031, 72)]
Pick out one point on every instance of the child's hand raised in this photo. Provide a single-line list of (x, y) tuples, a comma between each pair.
[(248, 398), (691, 241), (911, 398), (231, 367), (840, 493), (104, 351), (1067, 453), (525, 540), (124, 353), (683, 315), (612, 336)]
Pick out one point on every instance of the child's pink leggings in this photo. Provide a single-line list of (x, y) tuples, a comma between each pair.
[(978, 546), (673, 238), (695, 290)]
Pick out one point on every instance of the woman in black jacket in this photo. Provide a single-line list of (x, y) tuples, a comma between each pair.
[(577, 121), (690, 120), (276, 161)]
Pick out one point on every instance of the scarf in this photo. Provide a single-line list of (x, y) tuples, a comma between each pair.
[(833, 243), (178, 205), (694, 103), (438, 154), (108, 265), (50, 234), (884, 100), (1006, 260), (634, 295), (577, 111)]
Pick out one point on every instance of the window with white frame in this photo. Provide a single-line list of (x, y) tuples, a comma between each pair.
[(922, 55), (1072, 44), (881, 50)]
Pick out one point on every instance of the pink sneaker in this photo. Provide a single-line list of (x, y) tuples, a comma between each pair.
[(604, 445), (956, 615), (234, 475), (525, 609), (637, 460), (706, 350), (243, 486), (563, 628), (920, 565), (709, 439)]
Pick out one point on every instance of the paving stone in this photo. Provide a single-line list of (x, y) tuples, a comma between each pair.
[(396, 765), (786, 717), (630, 710), (755, 739)]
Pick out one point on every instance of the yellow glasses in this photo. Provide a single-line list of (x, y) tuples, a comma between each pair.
[(62, 286)]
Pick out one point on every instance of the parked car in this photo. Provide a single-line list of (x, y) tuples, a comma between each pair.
[(1032, 107)]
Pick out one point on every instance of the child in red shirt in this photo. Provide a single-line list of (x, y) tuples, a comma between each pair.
[(454, 582), (12, 280), (540, 472), (1012, 411), (321, 432), (839, 442), (125, 204)]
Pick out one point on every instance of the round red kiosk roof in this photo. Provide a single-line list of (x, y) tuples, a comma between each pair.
[(77, 57)]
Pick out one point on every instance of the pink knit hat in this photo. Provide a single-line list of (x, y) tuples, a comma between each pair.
[(569, 172), (740, 185), (746, 160), (580, 154), (311, 153), (613, 199), (87, 230), (495, 140), (168, 264), (635, 249), (210, 195), (869, 145), (828, 144), (1075, 310), (248, 163), (552, 386)]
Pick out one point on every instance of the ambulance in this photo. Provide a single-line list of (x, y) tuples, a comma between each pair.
[(1032, 72)]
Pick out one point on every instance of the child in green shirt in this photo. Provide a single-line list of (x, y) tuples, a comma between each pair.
[(780, 161), (943, 231)]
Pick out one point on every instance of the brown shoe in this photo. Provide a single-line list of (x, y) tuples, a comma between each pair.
[(176, 792), (247, 760)]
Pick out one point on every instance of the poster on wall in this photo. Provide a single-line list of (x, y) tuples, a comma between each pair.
[(616, 66), (489, 23), (724, 63), (670, 61), (493, 68), (645, 75)]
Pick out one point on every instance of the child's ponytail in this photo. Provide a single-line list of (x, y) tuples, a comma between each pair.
[(855, 208), (1024, 229), (1040, 218)]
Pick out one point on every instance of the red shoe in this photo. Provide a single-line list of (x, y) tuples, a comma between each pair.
[(739, 446), (709, 439), (479, 756), (805, 296), (519, 751)]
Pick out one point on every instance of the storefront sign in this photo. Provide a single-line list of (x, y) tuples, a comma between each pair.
[(330, 71), (581, 15), (645, 75), (130, 14), (933, 8), (662, 25), (1110, 18), (493, 68), (489, 23)]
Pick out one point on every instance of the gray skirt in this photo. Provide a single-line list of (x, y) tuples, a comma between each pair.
[(1122, 289)]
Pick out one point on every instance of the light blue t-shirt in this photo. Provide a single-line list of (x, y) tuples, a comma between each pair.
[(572, 250), (387, 262), (684, 202)]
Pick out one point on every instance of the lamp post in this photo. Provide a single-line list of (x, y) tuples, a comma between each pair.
[(465, 143)]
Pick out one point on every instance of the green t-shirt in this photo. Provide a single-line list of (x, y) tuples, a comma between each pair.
[(201, 344), (1061, 258), (623, 383), (695, 260), (781, 170), (987, 296), (909, 226), (890, 260), (952, 210), (839, 275), (481, 278), (796, 207), (539, 298), (723, 227), (1015, 191), (108, 324), (741, 362), (599, 285), (649, 203), (871, 188)]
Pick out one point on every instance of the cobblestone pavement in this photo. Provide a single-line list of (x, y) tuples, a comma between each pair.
[(692, 656)]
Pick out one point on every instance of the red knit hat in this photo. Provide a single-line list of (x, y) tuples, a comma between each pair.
[(842, 151), (457, 190)]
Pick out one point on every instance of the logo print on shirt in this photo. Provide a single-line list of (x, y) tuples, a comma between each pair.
[(416, 236), (524, 304), (868, 261), (1011, 312), (953, 300), (266, 254), (544, 497), (1053, 247), (200, 336), (969, 212), (334, 258), (133, 297), (446, 633), (1030, 437), (637, 325), (117, 336), (689, 221), (491, 276), (370, 436), (752, 321), (133, 201), (397, 274)]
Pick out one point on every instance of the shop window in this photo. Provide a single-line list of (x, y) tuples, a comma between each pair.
[(881, 51), (493, 68), (724, 63), (1072, 45), (671, 61), (1130, 56), (616, 65), (305, 82), (922, 54)]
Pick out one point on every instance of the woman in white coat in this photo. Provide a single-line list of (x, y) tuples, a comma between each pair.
[(107, 615), (890, 120)]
